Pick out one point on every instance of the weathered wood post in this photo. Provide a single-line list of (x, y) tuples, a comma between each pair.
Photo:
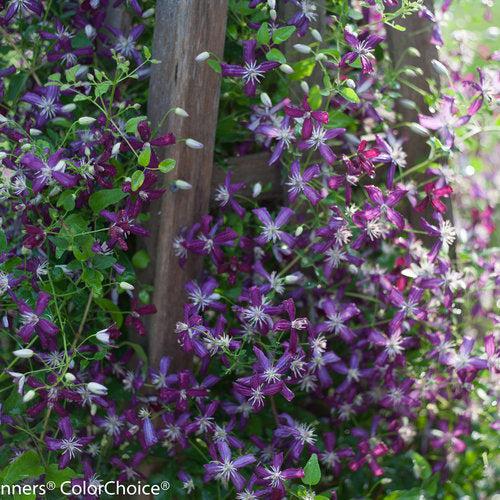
[(184, 28)]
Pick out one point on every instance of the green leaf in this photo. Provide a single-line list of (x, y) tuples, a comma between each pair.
[(283, 34), (303, 69), (312, 472), (3, 241), (102, 199), (215, 65), (355, 14), (421, 467), (112, 309), (25, 466), (131, 125), (144, 156), (141, 259), (167, 165), (101, 89), (276, 55), (66, 200), (137, 180), (17, 83), (349, 94), (263, 35), (93, 279), (71, 73), (314, 99), (58, 476)]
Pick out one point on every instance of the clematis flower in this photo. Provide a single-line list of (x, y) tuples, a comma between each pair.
[(33, 321), (46, 103), (126, 45), (283, 133), (23, 8), (385, 204), (433, 195), (298, 183), (46, 172), (444, 232), (223, 468), (251, 72), (275, 476), (134, 320), (309, 117), (271, 229), (224, 195), (317, 141), (69, 444), (362, 47)]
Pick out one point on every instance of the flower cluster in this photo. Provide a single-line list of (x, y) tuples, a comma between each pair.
[(338, 348)]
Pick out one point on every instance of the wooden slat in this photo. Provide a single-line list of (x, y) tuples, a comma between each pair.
[(184, 28)]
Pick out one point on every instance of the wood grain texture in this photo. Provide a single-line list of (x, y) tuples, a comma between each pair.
[(417, 34), (184, 28)]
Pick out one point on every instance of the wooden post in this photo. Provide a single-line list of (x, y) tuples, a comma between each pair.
[(184, 28), (417, 35)]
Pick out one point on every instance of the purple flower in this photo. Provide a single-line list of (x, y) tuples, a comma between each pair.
[(32, 320), (445, 121), (275, 476), (70, 444), (331, 457), (463, 362), (223, 468), (298, 433), (338, 315), (129, 470), (298, 183), (251, 72), (271, 229), (126, 44), (385, 205), (46, 172), (361, 46), (46, 102), (309, 117), (203, 297), (137, 312), (444, 232), (284, 133), (23, 8), (318, 139), (224, 195)]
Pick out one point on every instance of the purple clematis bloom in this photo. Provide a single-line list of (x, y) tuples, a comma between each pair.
[(46, 172), (407, 308), (300, 435), (223, 468), (298, 183), (284, 135), (271, 231), (46, 102), (23, 8), (126, 44), (331, 457), (385, 205), (338, 315), (70, 444), (251, 71), (274, 476), (318, 139), (444, 232), (463, 362), (224, 195), (32, 320), (309, 117), (445, 121), (362, 46), (203, 296)]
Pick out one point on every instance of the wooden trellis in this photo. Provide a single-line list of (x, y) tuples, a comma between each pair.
[(184, 28)]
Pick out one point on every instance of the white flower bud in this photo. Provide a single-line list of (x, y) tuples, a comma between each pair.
[(202, 56), (409, 72), (86, 120), (68, 108), (350, 83), (299, 230), (181, 112), (408, 104), (320, 57), (69, 377), (305, 87), (191, 143), (287, 69), (271, 3), (116, 149), (316, 35), (3, 119), (266, 100), (303, 49), (414, 52), (273, 15), (29, 396), (35, 132), (257, 189), (96, 388), (23, 353), (418, 129), (125, 286), (291, 279), (183, 185), (102, 336), (440, 68), (90, 31), (148, 13), (26, 147)]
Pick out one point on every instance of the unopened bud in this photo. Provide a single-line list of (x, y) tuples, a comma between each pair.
[(125, 286), (316, 35), (90, 31), (291, 279), (303, 49), (271, 3), (350, 83), (266, 100), (305, 87), (182, 185), (418, 129), (96, 388), (257, 189), (287, 69), (68, 108), (148, 13), (181, 112), (102, 336), (35, 132), (440, 68), (273, 15), (69, 377), (202, 56), (116, 149), (29, 396), (23, 353), (86, 120), (299, 230), (320, 57), (414, 52), (191, 143)]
